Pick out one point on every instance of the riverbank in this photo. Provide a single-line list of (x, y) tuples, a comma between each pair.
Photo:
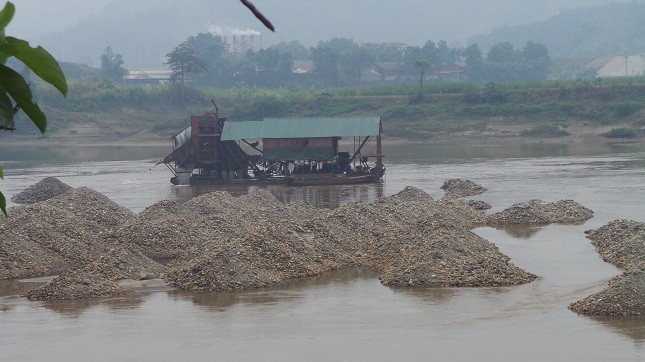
[(503, 135), (548, 111)]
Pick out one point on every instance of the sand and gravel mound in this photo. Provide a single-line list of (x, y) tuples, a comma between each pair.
[(462, 188), (43, 239), (625, 296), (76, 284), (537, 212), (42, 190), (621, 242), (410, 238), (479, 204), (86, 203), (64, 232), (274, 255), (171, 234), (99, 278), (220, 242)]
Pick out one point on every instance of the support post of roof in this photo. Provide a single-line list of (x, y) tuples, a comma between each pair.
[(379, 150)]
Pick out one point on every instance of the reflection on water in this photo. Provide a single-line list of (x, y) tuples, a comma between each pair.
[(64, 154), (328, 197), (521, 232), (633, 328), (288, 290), (76, 308), (14, 287), (424, 154)]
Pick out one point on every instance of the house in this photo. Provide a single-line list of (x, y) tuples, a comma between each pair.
[(623, 66), (451, 72), (147, 77), (302, 66), (396, 71)]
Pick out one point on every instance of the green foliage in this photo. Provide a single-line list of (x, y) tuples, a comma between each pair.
[(545, 131), (184, 64), (14, 88), (111, 65), (492, 93), (624, 109), (621, 133)]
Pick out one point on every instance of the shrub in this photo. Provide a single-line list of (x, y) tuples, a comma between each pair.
[(620, 133), (624, 109)]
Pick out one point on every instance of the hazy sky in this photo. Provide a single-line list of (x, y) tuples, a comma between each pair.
[(449, 20), (144, 31)]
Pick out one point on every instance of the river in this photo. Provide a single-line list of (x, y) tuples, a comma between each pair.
[(349, 315)]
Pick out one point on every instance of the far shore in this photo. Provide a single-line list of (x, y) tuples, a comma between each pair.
[(455, 139)]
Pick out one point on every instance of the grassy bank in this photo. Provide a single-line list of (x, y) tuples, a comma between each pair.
[(548, 109)]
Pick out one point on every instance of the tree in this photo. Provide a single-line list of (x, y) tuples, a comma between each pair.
[(211, 49), (272, 67), (352, 62), (504, 62), (423, 64), (111, 65), (444, 55), (15, 94), (475, 69), (326, 63), (386, 52), (184, 64), (294, 47), (536, 61)]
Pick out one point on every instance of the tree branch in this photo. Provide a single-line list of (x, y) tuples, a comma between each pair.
[(258, 15)]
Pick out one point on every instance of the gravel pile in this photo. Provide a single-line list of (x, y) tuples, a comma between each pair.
[(429, 243), (537, 212), (76, 284), (276, 254), (43, 239), (42, 190), (64, 232), (99, 278), (478, 204), (220, 242), (86, 203), (625, 296), (173, 234), (410, 238), (462, 188), (621, 242)]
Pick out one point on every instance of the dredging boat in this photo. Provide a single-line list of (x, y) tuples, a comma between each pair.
[(293, 151)]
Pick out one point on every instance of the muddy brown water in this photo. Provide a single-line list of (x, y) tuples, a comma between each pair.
[(349, 315)]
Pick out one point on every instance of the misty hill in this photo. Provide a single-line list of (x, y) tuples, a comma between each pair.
[(612, 29), (144, 31)]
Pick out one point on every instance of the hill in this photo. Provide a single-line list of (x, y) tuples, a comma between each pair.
[(606, 30)]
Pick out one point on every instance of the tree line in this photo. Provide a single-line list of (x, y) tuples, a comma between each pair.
[(206, 60)]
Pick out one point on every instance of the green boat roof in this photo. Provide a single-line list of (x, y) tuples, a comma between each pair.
[(301, 128)]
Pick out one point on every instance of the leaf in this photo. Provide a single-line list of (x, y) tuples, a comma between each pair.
[(39, 61), (6, 14), (3, 204), (6, 113), (14, 84)]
